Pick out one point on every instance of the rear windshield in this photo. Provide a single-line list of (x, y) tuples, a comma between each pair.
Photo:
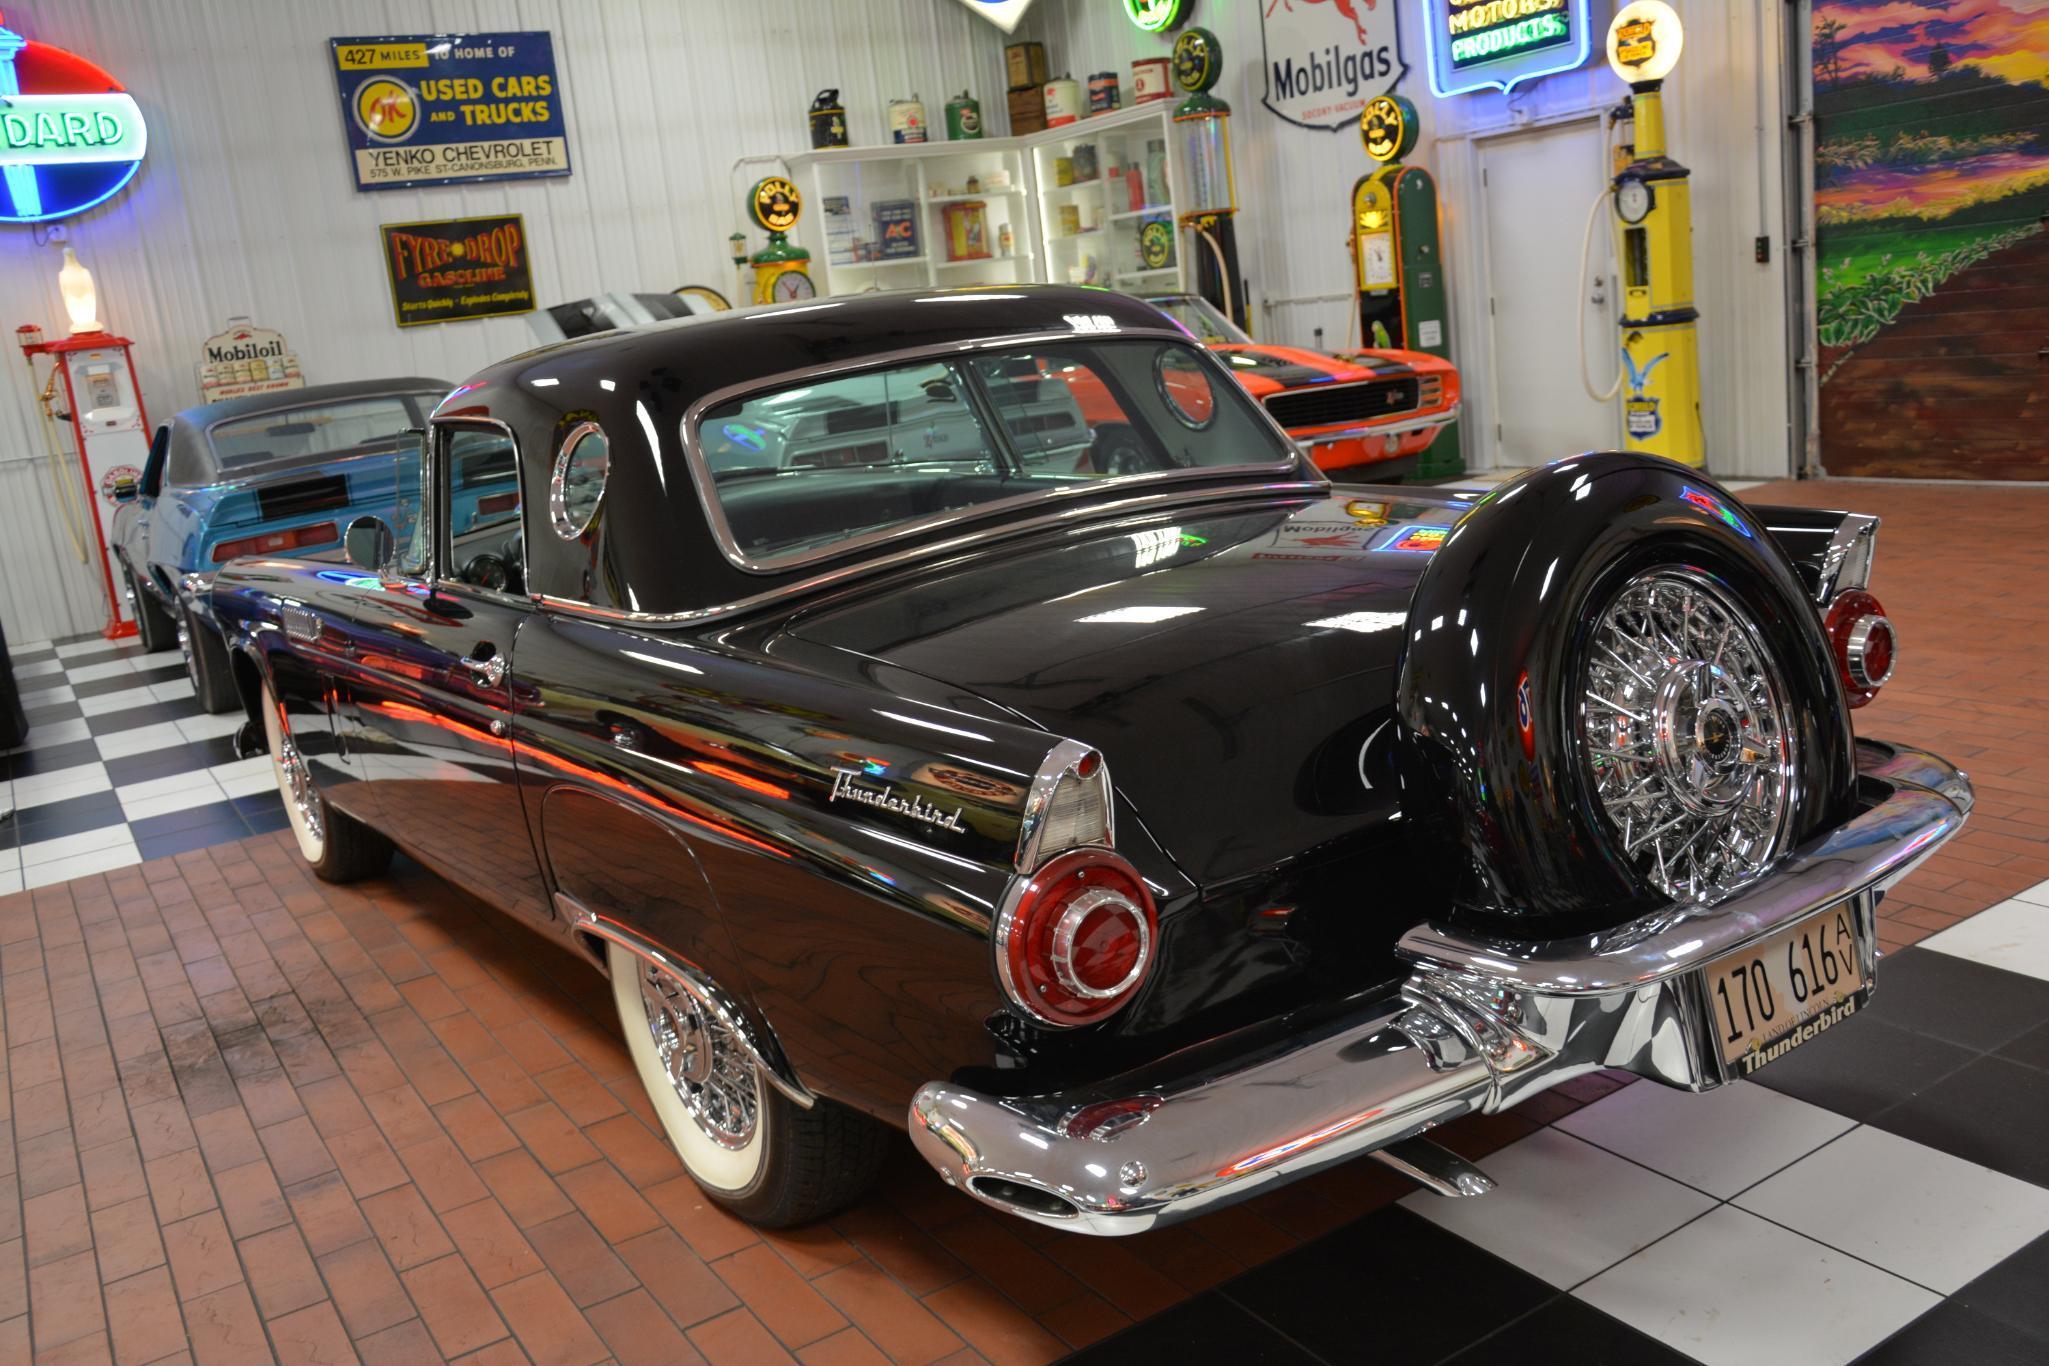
[(803, 470), (318, 431)]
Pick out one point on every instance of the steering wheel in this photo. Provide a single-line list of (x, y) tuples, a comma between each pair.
[(1119, 449)]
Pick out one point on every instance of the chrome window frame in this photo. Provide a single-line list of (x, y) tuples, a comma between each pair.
[(444, 535), (1059, 519), (559, 520), (722, 534)]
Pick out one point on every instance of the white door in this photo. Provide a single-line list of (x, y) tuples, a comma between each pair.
[(1538, 188)]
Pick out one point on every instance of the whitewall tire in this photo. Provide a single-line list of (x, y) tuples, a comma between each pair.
[(337, 847), (749, 1147)]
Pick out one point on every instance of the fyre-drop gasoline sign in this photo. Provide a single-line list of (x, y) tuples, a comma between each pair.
[(450, 108)]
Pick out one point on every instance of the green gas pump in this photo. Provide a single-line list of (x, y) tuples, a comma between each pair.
[(1397, 259)]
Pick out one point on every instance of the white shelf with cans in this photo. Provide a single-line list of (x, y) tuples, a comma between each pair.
[(991, 210), (915, 214)]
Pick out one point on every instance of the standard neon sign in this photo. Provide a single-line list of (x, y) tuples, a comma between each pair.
[(69, 135), (1532, 33)]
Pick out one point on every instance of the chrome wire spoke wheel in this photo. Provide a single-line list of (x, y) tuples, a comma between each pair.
[(1687, 734), (302, 801), (704, 1060)]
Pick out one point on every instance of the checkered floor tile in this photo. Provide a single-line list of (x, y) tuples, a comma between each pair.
[(1879, 1196), (121, 765)]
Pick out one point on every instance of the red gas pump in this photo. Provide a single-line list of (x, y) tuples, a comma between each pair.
[(92, 385)]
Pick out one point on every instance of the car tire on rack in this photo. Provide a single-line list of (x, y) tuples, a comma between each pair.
[(155, 627), (749, 1147), (336, 846), (206, 664)]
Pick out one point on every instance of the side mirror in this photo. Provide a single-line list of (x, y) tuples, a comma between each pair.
[(369, 543)]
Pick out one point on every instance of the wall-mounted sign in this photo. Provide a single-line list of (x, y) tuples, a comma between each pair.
[(1326, 58), (1155, 16), (458, 268), (1497, 44), (70, 136), (246, 359), (450, 108)]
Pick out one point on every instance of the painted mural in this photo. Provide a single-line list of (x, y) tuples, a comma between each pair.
[(1931, 195)]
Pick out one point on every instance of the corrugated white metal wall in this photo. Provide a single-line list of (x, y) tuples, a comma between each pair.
[(1294, 188), (246, 205)]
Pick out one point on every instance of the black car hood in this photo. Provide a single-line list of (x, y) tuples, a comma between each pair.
[(1232, 667)]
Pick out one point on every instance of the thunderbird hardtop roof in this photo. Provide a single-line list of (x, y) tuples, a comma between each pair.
[(705, 354)]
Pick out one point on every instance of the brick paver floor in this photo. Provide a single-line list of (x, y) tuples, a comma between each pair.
[(246, 1115)]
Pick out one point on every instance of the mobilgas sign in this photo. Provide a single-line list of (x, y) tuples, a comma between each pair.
[(1497, 44), (70, 136), (441, 108), (1326, 58)]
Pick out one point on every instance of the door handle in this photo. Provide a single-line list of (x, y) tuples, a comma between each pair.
[(486, 665)]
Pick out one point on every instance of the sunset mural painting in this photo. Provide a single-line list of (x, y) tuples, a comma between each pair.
[(1931, 190)]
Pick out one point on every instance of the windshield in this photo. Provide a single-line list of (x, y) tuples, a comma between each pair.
[(798, 472), (1202, 318), (318, 431)]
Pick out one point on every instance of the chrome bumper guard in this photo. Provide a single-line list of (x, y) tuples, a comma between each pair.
[(1478, 1026)]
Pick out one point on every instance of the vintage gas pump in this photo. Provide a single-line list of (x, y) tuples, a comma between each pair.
[(1396, 259), (779, 274), (1202, 122), (92, 384), (1660, 346)]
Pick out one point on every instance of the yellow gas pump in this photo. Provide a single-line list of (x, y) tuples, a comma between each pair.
[(1397, 263), (779, 274), (1660, 346)]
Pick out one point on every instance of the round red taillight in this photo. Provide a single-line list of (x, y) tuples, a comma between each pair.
[(1076, 938), (1864, 642)]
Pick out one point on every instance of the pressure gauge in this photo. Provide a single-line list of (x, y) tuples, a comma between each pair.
[(1632, 199)]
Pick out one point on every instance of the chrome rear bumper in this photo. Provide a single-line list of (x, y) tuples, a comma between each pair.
[(1478, 1026)]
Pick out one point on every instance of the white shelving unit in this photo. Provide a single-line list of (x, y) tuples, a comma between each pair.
[(1016, 184), (1122, 175), (934, 177)]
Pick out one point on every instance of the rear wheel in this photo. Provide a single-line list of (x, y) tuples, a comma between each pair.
[(337, 847), (155, 627), (1687, 738), (206, 664), (749, 1147)]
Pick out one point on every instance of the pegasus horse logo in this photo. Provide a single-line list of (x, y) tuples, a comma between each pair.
[(1348, 8)]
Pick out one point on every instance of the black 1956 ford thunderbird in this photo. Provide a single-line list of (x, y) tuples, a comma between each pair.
[(968, 711)]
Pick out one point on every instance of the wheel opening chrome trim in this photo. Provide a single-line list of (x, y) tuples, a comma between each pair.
[(755, 1038)]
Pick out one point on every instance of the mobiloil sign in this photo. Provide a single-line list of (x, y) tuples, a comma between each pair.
[(70, 136)]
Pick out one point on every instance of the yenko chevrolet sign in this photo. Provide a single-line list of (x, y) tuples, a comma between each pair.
[(70, 136)]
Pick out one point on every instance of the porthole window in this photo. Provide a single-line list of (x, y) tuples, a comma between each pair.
[(578, 483), (1186, 387)]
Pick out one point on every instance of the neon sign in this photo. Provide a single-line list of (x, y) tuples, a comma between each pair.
[(70, 136), (1154, 16), (1498, 44)]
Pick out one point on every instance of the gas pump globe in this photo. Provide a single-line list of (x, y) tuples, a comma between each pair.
[(1202, 125), (1396, 258), (779, 274), (1653, 211)]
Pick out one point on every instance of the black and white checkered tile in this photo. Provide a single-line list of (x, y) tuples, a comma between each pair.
[(120, 765), (1881, 1195)]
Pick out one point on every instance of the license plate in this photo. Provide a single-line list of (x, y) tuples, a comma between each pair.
[(1776, 994)]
